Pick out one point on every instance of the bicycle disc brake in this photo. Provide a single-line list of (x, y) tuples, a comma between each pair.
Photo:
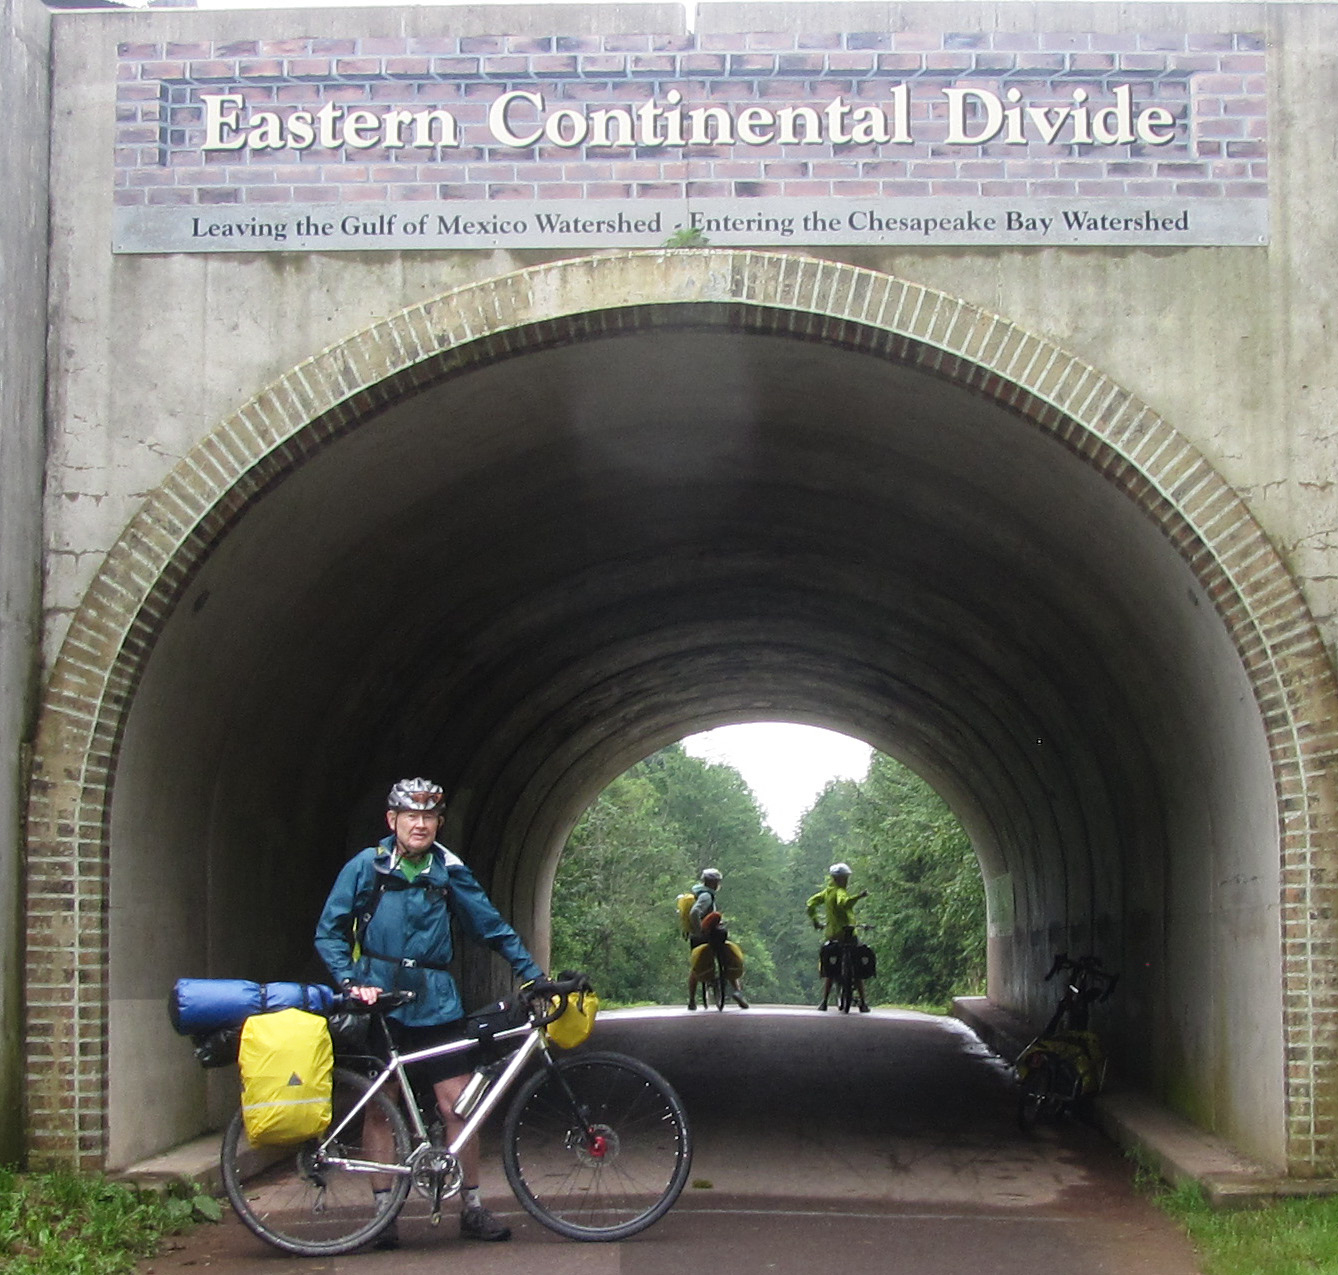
[(598, 1144)]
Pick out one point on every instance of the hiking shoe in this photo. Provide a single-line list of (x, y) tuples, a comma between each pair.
[(389, 1238), (863, 1007), (479, 1224), (822, 1005), (692, 1002), (739, 1001)]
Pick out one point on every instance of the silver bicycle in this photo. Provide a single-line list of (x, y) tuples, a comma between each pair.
[(595, 1145)]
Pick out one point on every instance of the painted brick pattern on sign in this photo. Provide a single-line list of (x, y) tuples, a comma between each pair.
[(1212, 85)]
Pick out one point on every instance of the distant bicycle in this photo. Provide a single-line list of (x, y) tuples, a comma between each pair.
[(595, 1145), (717, 966), (1065, 1065), (849, 963)]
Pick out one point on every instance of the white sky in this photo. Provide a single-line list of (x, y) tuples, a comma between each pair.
[(785, 765)]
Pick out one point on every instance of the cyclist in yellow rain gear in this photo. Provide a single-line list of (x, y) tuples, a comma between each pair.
[(839, 905)]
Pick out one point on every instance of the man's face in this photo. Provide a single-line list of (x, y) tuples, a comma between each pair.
[(414, 831)]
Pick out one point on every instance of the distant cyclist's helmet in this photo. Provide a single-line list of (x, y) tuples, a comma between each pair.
[(711, 876), (839, 870), (420, 795)]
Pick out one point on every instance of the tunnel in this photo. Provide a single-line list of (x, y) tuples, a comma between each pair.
[(523, 565)]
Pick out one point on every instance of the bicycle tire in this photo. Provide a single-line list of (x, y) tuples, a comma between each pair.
[(1045, 1093), (303, 1206), (720, 983), (618, 1189), (847, 992)]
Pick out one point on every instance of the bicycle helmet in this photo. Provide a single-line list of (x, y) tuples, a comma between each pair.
[(416, 794), (711, 874), (839, 870)]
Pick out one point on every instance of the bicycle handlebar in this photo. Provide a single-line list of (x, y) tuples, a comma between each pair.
[(385, 1000), (546, 998), (1086, 967)]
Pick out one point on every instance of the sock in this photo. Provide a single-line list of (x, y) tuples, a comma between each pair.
[(381, 1195), (469, 1198)]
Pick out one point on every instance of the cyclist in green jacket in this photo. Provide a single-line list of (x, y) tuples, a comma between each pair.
[(839, 905)]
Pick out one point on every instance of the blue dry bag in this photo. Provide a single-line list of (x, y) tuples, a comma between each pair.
[(198, 1006)]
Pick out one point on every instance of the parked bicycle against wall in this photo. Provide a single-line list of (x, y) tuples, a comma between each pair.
[(1065, 1065), (595, 1145)]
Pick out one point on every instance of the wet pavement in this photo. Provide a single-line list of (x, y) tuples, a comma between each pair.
[(873, 1143)]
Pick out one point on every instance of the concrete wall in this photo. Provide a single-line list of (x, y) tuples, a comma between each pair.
[(1163, 784), (24, 71), (1226, 342)]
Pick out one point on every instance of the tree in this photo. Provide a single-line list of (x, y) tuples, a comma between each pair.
[(639, 845), (610, 915), (926, 898), (824, 836), (647, 836)]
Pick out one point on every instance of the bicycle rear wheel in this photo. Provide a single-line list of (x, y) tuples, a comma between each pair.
[(847, 993), (303, 1204), (607, 1168), (720, 984)]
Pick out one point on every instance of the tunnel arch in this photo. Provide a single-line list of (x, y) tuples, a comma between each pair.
[(746, 666)]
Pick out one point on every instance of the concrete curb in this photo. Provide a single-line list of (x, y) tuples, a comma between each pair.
[(1178, 1150), (194, 1162)]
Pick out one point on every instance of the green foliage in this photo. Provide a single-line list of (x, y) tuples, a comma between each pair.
[(640, 845), (1285, 1237), (926, 898), (687, 237), (81, 1224), (620, 871), (649, 834)]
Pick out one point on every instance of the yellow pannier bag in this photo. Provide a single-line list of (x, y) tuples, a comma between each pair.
[(702, 962), (287, 1066), (577, 1020)]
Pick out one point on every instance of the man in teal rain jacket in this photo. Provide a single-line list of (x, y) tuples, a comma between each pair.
[(387, 927)]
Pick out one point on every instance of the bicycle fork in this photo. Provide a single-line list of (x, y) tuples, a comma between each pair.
[(590, 1141)]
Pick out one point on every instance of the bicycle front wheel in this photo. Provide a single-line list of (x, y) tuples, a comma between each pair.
[(304, 1204), (596, 1147), (721, 983)]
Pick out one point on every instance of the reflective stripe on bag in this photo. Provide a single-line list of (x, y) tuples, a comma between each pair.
[(287, 1065)]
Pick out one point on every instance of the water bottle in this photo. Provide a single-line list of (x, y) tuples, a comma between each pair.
[(474, 1089)]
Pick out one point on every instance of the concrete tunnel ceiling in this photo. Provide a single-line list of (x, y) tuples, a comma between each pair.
[(523, 579), (526, 575)]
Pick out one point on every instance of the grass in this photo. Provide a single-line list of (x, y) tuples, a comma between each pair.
[(81, 1224), (1284, 1237)]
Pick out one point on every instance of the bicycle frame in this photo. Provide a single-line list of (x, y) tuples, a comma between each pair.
[(535, 1044)]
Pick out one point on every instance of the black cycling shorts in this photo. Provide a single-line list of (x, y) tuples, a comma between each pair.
[(432, 1070)]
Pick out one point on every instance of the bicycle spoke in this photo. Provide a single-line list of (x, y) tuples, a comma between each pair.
[(313, 1200), (611, 1178)]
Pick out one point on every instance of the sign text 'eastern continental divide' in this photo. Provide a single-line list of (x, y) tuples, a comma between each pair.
[(525, 142)]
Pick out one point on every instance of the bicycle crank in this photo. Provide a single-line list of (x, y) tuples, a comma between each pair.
[(436, 1175)]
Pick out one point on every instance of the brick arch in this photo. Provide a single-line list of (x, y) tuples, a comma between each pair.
[(111, 636)]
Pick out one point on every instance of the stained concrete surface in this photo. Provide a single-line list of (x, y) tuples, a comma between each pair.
[(883, 1142)]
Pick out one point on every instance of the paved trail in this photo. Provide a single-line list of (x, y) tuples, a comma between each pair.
[(870, 1144)]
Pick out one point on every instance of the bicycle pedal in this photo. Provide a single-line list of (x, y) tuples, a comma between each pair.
[(436, 1217)]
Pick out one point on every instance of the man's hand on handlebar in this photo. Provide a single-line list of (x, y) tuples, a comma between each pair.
[(363, 998)]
